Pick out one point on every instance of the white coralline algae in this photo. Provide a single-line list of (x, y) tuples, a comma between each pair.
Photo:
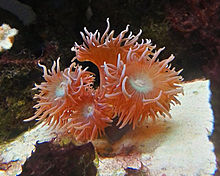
[(6, 37)]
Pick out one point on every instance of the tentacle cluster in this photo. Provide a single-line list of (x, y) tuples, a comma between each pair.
[(99, 49), (67, 101), (141, 87), (91, 115), (57, 93), (134, 85)]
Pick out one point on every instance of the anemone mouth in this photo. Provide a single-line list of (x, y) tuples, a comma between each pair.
[(141, 83), (60, 90), (88, 110)]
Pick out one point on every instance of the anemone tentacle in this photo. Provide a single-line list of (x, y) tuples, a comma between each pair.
[(107, 47), (90, 115), (56, 95), (143, 82)]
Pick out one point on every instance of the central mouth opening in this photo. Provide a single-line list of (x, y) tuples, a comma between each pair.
[(60, 90), (141, 83), (88, 110)]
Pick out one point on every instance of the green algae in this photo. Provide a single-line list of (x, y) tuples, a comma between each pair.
[(15, 101), (157, 31)]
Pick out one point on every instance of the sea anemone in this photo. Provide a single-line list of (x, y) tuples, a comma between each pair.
[(134, 85), (90, 115), (57, 93), (141, 87), (106, 48)]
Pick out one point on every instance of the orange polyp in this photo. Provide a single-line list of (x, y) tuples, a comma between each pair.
[(141, 87), (57, 93), (90, 115), (106, 49)]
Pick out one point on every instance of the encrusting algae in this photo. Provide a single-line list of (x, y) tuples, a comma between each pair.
[(6, 37), (134, 85)]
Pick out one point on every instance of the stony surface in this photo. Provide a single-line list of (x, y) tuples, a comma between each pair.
[(15, 153), (177, 146)]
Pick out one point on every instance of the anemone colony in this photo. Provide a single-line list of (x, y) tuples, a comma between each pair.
[(134, 85)]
